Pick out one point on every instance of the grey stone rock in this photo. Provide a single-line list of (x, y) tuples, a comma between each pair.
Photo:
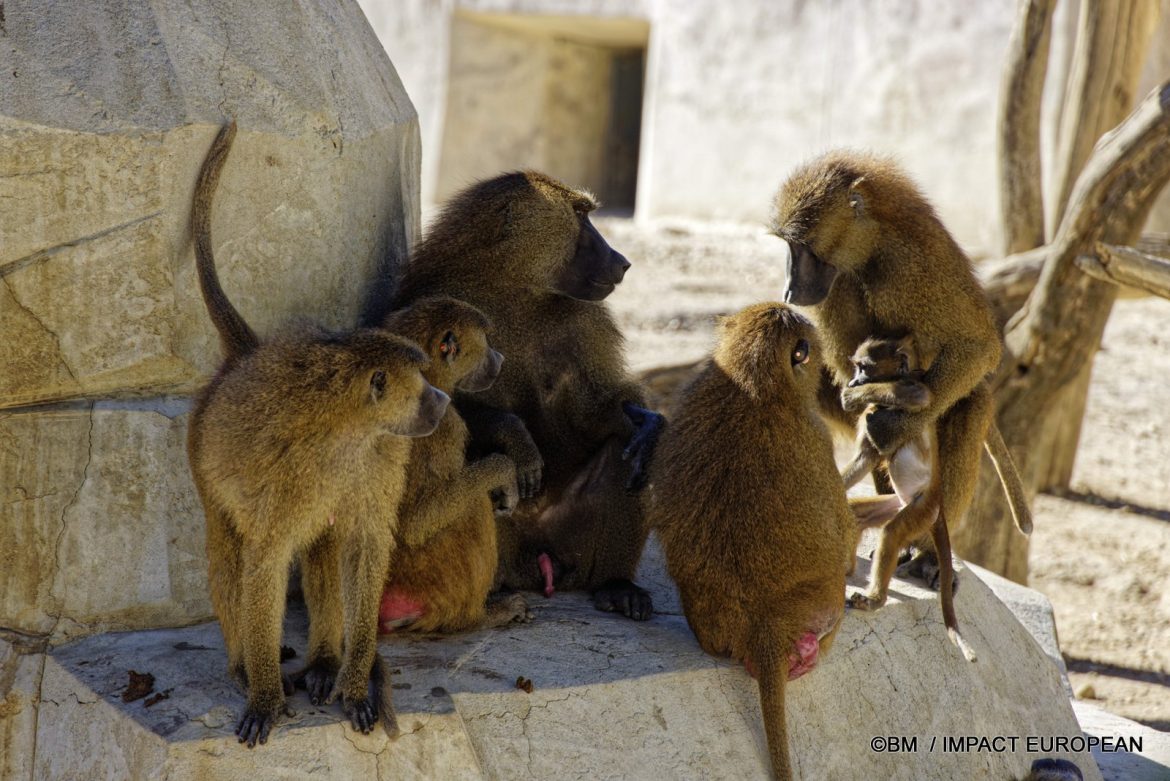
[(612, 698), (104, 527), (106, 113)]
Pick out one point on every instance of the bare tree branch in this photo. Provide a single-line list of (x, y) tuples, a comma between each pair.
[(1127, 266), (1021, 192)]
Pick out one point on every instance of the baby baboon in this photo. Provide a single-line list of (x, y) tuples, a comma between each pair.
[(888, 373), (751, 512), (520, 247), (282, 446), (869, 256), (445, 563)]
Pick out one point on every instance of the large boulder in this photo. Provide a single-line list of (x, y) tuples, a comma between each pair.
[(106, 113), (611, 698)]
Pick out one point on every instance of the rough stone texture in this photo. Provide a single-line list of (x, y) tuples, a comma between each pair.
[(1152, 763), (103, 530), (106, 112), (21, 665), (1033, 610), (612, 699)]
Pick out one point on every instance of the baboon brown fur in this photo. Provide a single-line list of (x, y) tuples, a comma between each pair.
[(292, 450), (868, 255), (751, 511), (521, 248), (444, 565), (888, 374)]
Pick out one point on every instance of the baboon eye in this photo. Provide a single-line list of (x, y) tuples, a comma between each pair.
[(378, 383), (449, 347), (800, 354)]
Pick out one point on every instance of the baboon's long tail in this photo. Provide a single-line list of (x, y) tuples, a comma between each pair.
[(946, 586), (1009, 477), (236, 336), (772, 664)]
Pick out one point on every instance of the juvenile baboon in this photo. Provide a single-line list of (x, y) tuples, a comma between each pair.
[(445, 562), (869, 256), (888, 373), (746, 499), (520, 247), (282, 446)]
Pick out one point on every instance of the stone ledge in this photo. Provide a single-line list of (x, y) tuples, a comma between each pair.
[(612, 698)]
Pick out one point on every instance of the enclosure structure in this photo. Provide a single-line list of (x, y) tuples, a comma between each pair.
[(733, 96)]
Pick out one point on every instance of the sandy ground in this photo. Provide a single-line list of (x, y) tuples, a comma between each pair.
[(1101, 553)]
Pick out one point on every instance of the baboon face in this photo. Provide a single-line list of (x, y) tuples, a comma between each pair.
[(594, 269), (455, 336), (882, 360), (388, 387), (770, 349), (822, 212), (809, 277)]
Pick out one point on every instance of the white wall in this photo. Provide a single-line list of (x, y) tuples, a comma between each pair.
[(738, 92)]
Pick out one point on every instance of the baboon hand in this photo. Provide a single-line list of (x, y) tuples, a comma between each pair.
[(529, 471), (889, 429), (640, 449), (505, 498)]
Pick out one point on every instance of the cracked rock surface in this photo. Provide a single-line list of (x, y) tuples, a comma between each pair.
[(611, 698), (106, 113)]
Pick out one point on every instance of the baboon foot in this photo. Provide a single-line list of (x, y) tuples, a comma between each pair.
[(258, 720), (622, 596), (860, 601)]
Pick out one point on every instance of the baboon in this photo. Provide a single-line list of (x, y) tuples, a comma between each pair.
[(521, 248), (869, 256), (282, 445), (444, 565), (1051, 769), (751, 511), (888, 373)]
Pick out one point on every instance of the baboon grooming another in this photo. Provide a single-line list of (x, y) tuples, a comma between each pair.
[(520, 247), (869, 256), (750, 509), (445, 563), (282, 446)]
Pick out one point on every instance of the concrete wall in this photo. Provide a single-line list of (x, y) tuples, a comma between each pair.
[(106, 113), (737, 93)]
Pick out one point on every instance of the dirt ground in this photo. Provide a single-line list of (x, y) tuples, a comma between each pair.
[(1101, 553)]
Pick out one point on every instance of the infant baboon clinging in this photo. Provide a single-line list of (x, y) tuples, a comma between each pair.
[(889, 374), (751, 512), (520, 247), (869, 256), (282, 445), (445, 563)]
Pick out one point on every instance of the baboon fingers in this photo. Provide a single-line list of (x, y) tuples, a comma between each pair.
[(363, 714)]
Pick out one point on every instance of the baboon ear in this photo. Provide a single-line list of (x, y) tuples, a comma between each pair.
[(857, 196), (377, 385)]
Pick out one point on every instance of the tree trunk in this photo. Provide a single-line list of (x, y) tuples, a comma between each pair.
[(1021, 200), (1112, 41), (1059, 329)]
